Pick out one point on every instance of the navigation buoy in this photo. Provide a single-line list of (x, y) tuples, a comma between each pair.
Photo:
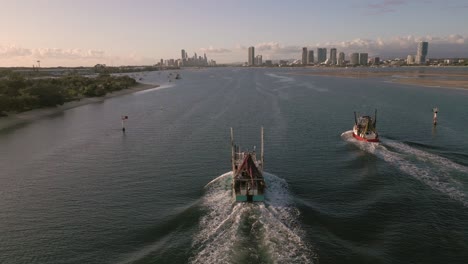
[(124, 117), (434, 119)]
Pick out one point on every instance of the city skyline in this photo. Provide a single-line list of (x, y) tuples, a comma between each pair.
[(142, 32)]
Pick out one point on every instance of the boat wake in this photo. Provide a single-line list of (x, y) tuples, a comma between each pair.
[(250, 232), (437, 172), (161, 87)]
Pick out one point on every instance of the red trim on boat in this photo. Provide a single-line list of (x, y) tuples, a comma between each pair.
[(365, 139)]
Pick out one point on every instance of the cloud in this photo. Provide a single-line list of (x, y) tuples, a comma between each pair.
[(276, 47), (211, 49), (67, 53), (11, 51), (13, 55)]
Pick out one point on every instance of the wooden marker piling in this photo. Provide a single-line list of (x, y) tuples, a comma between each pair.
[(123, 122), (434, 119)]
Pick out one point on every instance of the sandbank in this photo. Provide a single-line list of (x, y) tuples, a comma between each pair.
[(456, 79)]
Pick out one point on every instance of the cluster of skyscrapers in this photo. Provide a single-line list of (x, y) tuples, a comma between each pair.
[(187, 61), (333, 59), (195, 60), (252, 59)]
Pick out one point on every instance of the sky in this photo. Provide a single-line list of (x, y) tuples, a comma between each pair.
[(141, 32)]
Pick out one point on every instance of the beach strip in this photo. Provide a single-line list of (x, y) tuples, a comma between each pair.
[(28, 116)]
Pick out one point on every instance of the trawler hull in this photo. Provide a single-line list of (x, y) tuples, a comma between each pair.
[(365, 139)]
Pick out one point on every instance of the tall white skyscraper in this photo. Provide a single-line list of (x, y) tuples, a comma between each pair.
[(363, 57), (258, 60), (310, 57), (183, 56), (341, 59), (321, 55), (333, 56), (304, 56), (251, 60), (422, 52), (354, 59)]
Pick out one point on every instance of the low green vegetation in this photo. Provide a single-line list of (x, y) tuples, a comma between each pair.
[(18, 93)]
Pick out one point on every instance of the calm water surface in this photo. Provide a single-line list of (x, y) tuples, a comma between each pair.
[(75, 189)]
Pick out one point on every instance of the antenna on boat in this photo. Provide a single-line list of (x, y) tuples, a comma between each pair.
[(355, 118), (232, 151), (261, 154), (375, 117)]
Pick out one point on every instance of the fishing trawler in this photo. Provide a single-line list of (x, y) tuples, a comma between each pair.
[(364, 128), (248, 184)]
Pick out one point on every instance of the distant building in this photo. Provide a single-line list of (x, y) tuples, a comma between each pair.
[(183, 56), (304, 56), (310, 57), (354, 59), (341, 59), (268, 63), (321, 55), (283, 63), (258, 60), (422, 52), (375, 61), (333, 56), (410, 60), (251, 56), (363, 57)]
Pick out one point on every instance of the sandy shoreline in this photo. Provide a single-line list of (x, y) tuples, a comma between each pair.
[(429, 79), (15, 119)]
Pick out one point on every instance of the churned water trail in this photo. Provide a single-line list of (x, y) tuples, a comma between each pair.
[(242, 232), (164, 86), (431, 169)]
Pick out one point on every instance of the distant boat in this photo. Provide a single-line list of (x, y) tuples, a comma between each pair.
[(248, 183), (178, 77), (365, 128)]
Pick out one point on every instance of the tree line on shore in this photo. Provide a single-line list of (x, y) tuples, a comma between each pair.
[(18, 93)]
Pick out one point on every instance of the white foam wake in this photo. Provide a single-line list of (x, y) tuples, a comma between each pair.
[(280, 78), (238, 232), (433, 170)]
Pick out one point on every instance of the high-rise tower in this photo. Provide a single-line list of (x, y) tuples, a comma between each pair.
[(183, 56), (304, 56), (422, 52), (363, 57), (341, 59), (310, 57), (333, 56), (251, 56), (321, 55)]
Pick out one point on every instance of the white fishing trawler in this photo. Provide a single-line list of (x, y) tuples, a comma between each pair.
[(365, 128), (248, 184)]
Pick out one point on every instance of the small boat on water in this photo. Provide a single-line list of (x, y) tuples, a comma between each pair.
[(178, 77), (365, 128), (248, 184)]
